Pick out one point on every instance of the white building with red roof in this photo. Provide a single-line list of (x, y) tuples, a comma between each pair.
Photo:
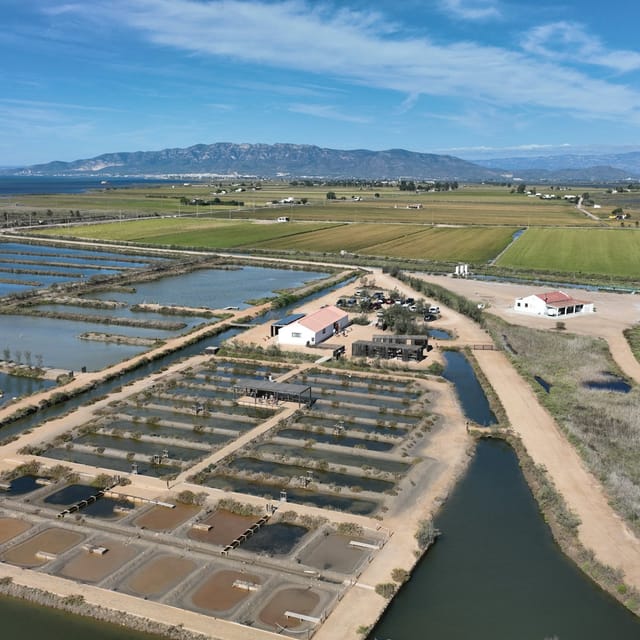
[(554, 304), (315, 327)]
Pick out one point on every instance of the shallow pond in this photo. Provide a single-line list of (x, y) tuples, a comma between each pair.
[(23, 485), (609, 382), (143, 447), (108, 462), (215, 288), (124, 312), (17, 386), (355, 425), (58, 343), (336, 457), (302, 496), (338, 439), (275, 539), (496, 572), (255, 465)]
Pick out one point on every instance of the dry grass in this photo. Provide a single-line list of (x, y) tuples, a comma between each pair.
[(603, 425)]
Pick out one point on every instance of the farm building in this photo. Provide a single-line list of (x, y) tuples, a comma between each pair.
[(553, 304), (314, 328)]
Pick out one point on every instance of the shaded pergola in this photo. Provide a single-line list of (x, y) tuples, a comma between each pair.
[(261, 390), (386, 350), (420, 340)]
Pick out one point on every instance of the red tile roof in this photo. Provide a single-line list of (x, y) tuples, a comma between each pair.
[(559, 299), (322, 318)]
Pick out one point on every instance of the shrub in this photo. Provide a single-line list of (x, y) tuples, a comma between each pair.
[(386, 589), (400, 575)]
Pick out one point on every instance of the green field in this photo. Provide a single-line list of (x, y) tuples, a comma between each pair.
[(353, 237), (186, 232), (470, 204), (614, 252), (477, 244), (467, 244), (471, 244)]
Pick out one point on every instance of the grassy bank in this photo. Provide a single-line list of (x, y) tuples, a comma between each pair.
[(603, 425)]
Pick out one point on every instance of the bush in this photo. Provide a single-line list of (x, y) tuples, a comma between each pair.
[(400, 575), (386, 589), (426, 534)]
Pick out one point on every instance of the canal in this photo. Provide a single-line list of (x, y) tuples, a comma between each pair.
[(496, 572)]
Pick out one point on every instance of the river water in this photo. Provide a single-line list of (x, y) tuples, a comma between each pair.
[(496, 573)]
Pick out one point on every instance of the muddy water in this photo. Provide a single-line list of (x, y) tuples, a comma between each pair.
[(496, 572)]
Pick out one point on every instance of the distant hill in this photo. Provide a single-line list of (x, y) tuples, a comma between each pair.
[(263, 160), (593, 168)]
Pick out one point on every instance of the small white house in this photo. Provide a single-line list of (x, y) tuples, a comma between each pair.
[(553, 304), (315, 327)]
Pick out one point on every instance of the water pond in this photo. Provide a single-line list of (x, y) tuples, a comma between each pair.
[(275, 539), (18, 386), (215, 288), (357, 506)]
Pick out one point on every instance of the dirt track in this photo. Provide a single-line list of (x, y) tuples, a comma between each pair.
[(602, 530)]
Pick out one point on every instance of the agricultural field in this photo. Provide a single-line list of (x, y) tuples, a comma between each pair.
[(613, 252), (188, 232), (472, 244), (474, 204)]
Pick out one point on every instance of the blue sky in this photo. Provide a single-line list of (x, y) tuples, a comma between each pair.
[(471, 78)]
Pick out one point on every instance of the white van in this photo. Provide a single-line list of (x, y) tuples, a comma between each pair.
[(434, 309), (283, 219)]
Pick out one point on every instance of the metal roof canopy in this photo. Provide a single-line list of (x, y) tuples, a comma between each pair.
[(416, 339), (285, 391), (283, 322), (387, 350)]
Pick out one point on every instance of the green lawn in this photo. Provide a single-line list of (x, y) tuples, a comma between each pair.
[(614, 252)]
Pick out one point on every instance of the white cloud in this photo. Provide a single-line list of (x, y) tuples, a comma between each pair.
[(326, 111), (569, 41), (363, 49), (472, 9)]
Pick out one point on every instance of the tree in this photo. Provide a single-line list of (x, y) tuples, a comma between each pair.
[(521, 188), (331, 195)]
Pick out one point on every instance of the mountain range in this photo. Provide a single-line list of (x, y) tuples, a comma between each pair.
[(298, 160)]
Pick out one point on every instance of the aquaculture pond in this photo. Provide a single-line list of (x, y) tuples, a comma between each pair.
[(293, 472), (215, 288), (339, 439), (175, 416), (113, 463), (496, 571), (336, 457), (57, 341), (470, 393), (24, 484), (277, 539), (351, 424), (112, 315), (17, 386), (353, 505), (45, 265)]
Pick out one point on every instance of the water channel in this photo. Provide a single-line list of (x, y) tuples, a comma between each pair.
[(496, 572)]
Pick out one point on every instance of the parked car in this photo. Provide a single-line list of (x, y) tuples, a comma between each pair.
[(434, 309)]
